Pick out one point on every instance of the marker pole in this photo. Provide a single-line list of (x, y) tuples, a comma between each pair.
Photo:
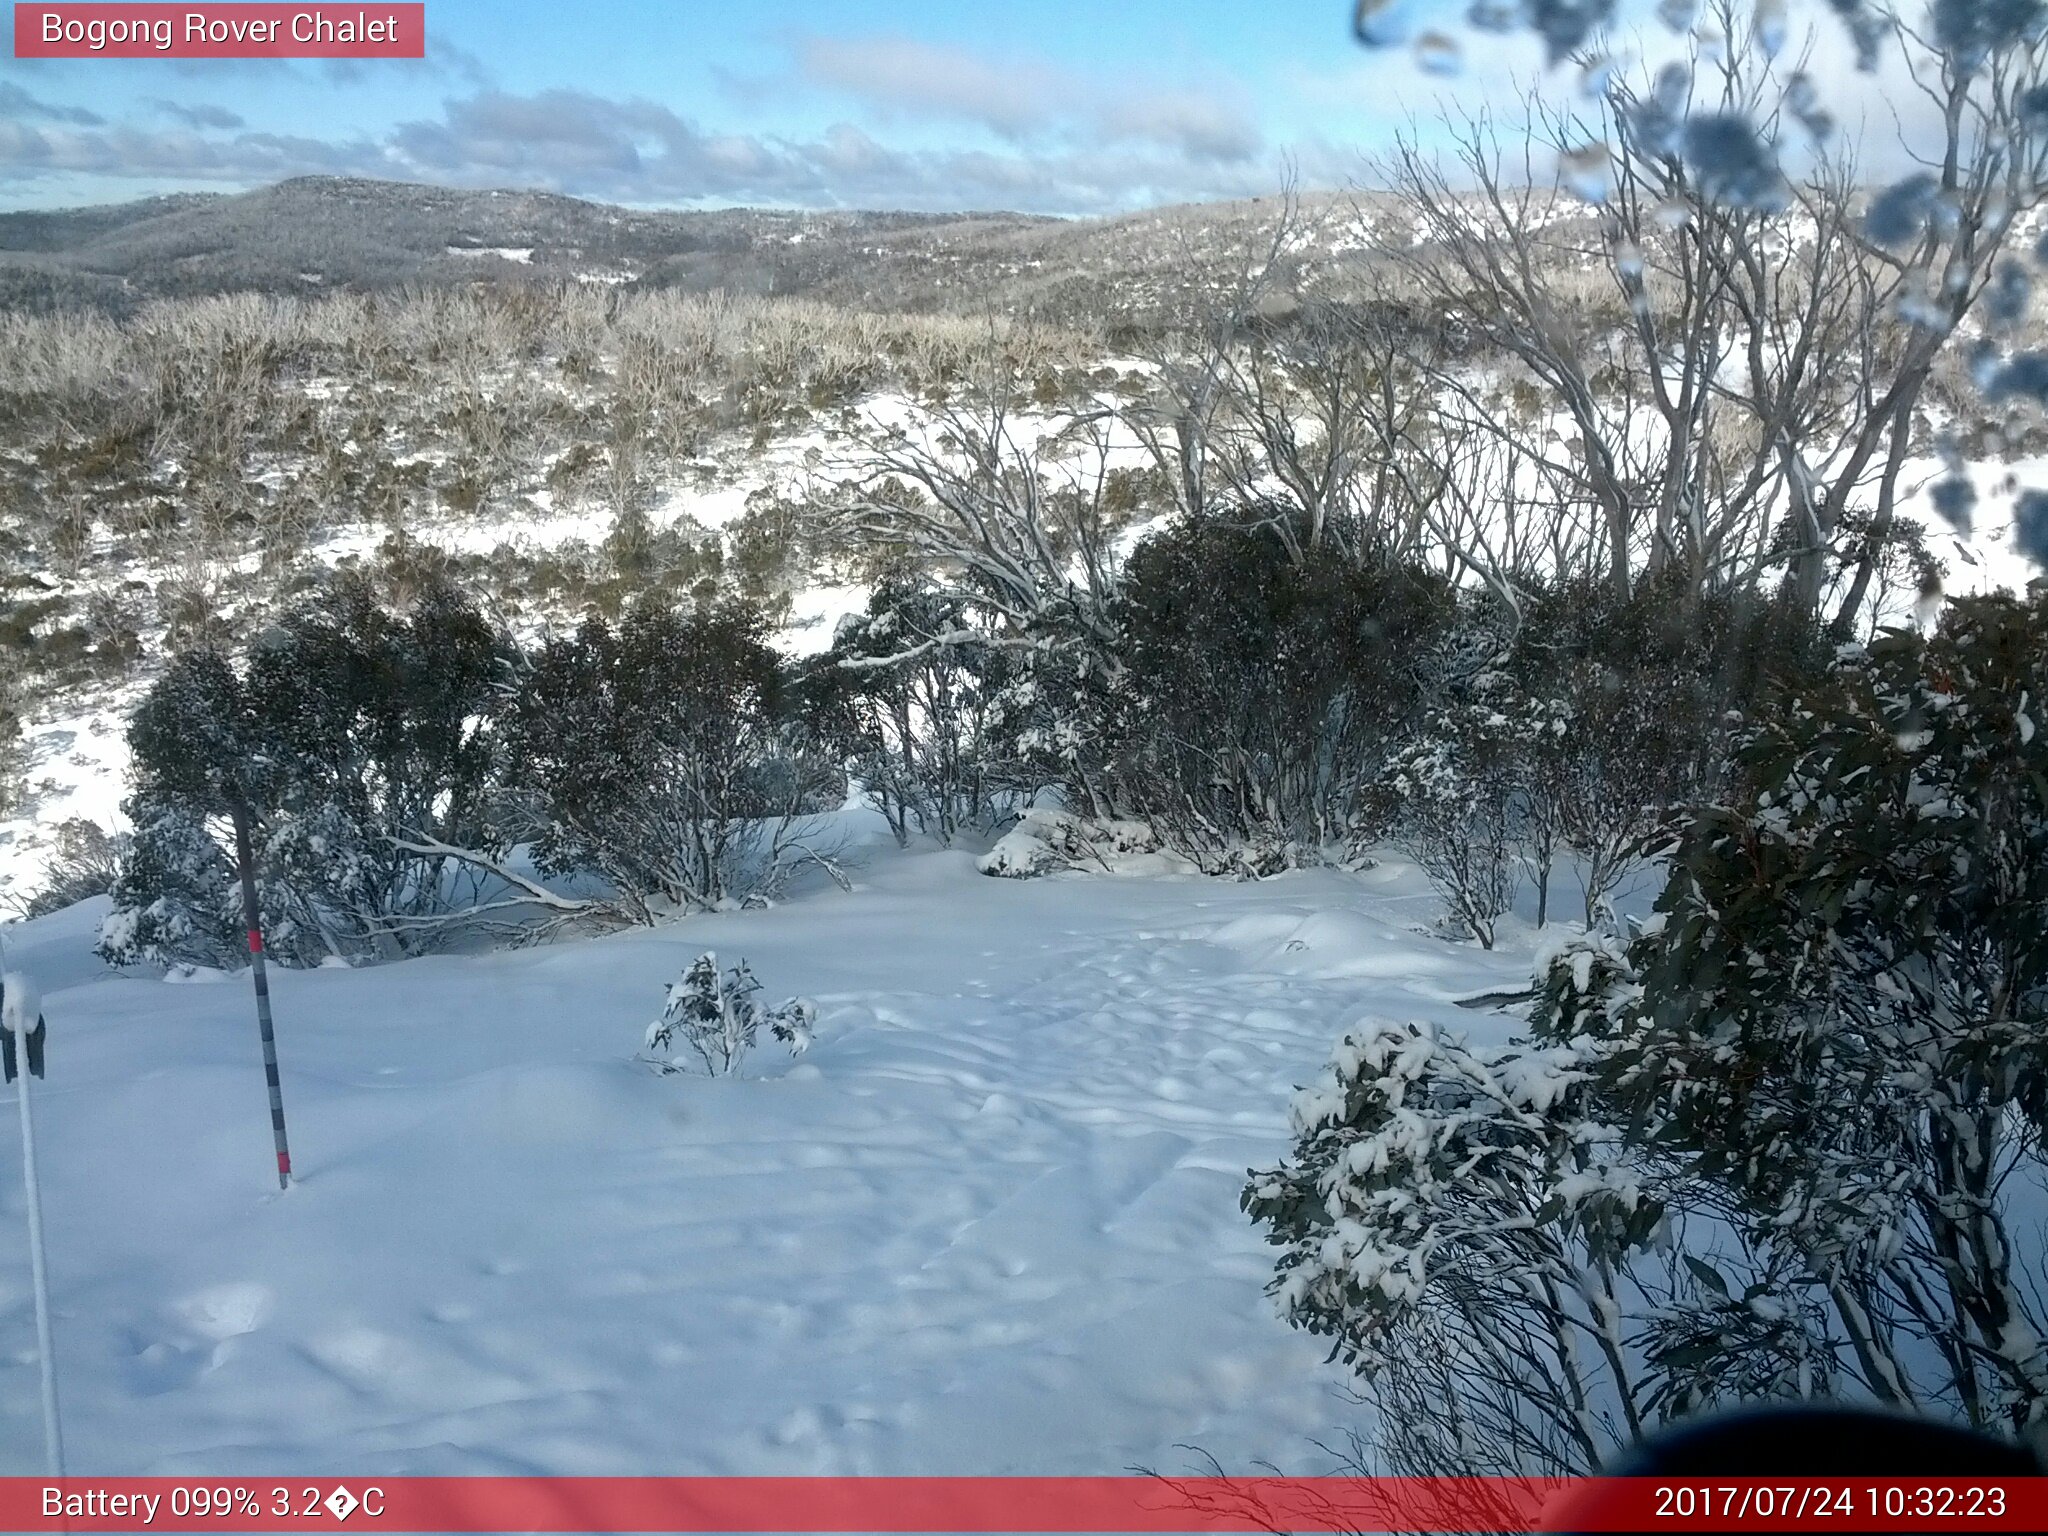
[(253, 920), (53, 1434)]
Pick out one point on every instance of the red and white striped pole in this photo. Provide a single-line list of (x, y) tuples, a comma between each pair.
[(252, 919)]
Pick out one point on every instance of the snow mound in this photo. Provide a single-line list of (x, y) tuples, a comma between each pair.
[(1048, 841)]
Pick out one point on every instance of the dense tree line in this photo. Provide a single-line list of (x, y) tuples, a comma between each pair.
[(387, 761), (1254, 709)]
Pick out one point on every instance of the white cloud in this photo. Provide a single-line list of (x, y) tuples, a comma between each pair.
[(1031, 100), (641, 151)]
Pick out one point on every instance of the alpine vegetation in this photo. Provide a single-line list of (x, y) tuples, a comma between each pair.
[(1562, 617), (355, 747), (1782, 1139), (388, 759), (717, 1019), (659, 756)]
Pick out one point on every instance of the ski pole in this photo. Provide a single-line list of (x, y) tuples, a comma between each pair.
[(23, 1024)]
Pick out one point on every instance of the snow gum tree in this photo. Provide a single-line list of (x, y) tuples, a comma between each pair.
[(914, 720), (12, 755), (1461, 785), (1625, 707), (384, 720), (201, 756), (1735, 343), (1260, 695)]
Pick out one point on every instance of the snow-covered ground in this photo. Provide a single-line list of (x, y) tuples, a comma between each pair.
[(988, 1224)]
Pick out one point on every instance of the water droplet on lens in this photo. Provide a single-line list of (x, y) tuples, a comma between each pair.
[(1673, 88), (1672, 213), (1927, 606), (2030, 526), (1984, 363), (1768, 20), (1438, 54), (1377, 22), (1917, 306), (1677, 14), (1802, 100), (1584, 172), (1953, 500)]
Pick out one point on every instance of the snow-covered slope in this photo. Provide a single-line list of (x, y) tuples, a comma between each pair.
[(988, 1224)]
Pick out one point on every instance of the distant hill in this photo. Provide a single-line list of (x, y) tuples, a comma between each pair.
[(317, 233)]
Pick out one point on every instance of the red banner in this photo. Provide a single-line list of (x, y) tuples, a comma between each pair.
[(1017, 1504), (214, 31)]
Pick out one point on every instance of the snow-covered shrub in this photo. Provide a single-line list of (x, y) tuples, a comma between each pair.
[(1622, 708), (176, 900), (657, 754), (1463, 808), (717, 1018), (1261, 684), (1044, 724), (1522, 1286), (385, 720), (86, 862), (356, 746), (1784, 1138), (1045, 841), (1842, 1006)]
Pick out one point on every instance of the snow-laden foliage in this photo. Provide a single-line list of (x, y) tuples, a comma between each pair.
[(1046, 841), (1499, 1262), (657, 754), (717, 1018), (356, 747), (176, 900), (1844, 1006), (1782, 1138), (1462, 810)]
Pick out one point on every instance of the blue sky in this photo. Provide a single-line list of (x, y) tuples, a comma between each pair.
[(1067, 106), (1061, 106)]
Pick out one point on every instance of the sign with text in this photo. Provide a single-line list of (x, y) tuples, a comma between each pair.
[(240, 31)]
